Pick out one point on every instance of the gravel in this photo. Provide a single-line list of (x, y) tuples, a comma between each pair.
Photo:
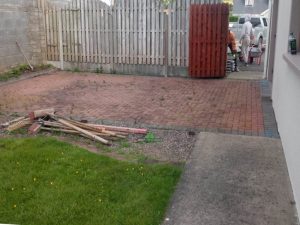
[(168, 145)]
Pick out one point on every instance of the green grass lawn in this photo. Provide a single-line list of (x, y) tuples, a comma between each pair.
[(45, 181)]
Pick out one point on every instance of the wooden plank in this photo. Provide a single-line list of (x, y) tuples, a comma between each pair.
[(65, 33), (214, 42), (170, 37), (114, 34), (135, 28), (200, 23), (87, 39), (73, 30), (102, 36), (175, 32), (98, 29), (148, 32), (60, 35), (224, 38), (127, 8), (91, 35), (184, 43), (179, 32), (208, 41), (218, 37), (119, 25), (161, 38), (153, 31), (79, 31), (196, 38), (144, 30), (157, 42), (191, 43), (82, 36), (123, 32), (52, 34), (40, 113), (70, 32), (203, 46), (89, 134), (188, 2), (141, 32), (75, 20), (94, 29), (96, 2), (131, 32), (110, 54), (104, 27), (48, 41), (56, 45), (63, 19), (68, 35)]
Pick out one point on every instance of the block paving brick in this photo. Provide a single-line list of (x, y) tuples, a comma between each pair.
[(232, 106)]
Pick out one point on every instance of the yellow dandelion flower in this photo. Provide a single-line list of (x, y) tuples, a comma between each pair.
[(15, 206), (51, 183)]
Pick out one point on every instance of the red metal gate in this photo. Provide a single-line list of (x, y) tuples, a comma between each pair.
[(208, 40)]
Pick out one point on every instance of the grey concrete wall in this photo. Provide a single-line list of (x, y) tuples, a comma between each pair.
[(147, 70), (20, 20)]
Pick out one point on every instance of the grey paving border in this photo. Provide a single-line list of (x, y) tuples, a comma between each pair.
[(270, 124)]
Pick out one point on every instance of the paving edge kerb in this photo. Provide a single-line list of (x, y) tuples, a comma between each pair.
[(29, 76)]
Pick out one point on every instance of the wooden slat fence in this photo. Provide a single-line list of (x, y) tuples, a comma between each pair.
[(208, 40), (137, 32)]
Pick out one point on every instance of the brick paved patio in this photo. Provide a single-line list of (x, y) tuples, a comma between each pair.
[(229, 105)]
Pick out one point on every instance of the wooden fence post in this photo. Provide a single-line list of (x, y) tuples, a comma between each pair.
[(166, 40), (61, 49)]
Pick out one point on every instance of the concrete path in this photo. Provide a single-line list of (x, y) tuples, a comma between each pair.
[(233, 180)]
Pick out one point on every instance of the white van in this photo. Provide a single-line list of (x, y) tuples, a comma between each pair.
[(260, 28)]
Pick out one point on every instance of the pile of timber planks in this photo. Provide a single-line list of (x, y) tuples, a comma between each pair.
[(47, 120)]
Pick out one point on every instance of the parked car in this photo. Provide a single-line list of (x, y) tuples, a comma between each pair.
[(260, 28)]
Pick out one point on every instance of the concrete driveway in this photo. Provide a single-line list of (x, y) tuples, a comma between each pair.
[(234, 180)]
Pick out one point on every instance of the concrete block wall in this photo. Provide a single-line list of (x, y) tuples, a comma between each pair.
[(20, 20)]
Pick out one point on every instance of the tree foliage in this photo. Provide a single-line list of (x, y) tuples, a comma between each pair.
[(166, 2)]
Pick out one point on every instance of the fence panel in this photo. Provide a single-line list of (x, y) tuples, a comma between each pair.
[(132, 32), (208, 40)]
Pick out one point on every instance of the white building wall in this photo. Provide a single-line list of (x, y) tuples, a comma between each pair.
[(286, 98)]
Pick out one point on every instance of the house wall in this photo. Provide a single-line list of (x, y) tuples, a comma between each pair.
[(20, 21), (259, 7), (286, 95)]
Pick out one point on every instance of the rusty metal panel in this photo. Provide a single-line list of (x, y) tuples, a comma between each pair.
[(208, 40)]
